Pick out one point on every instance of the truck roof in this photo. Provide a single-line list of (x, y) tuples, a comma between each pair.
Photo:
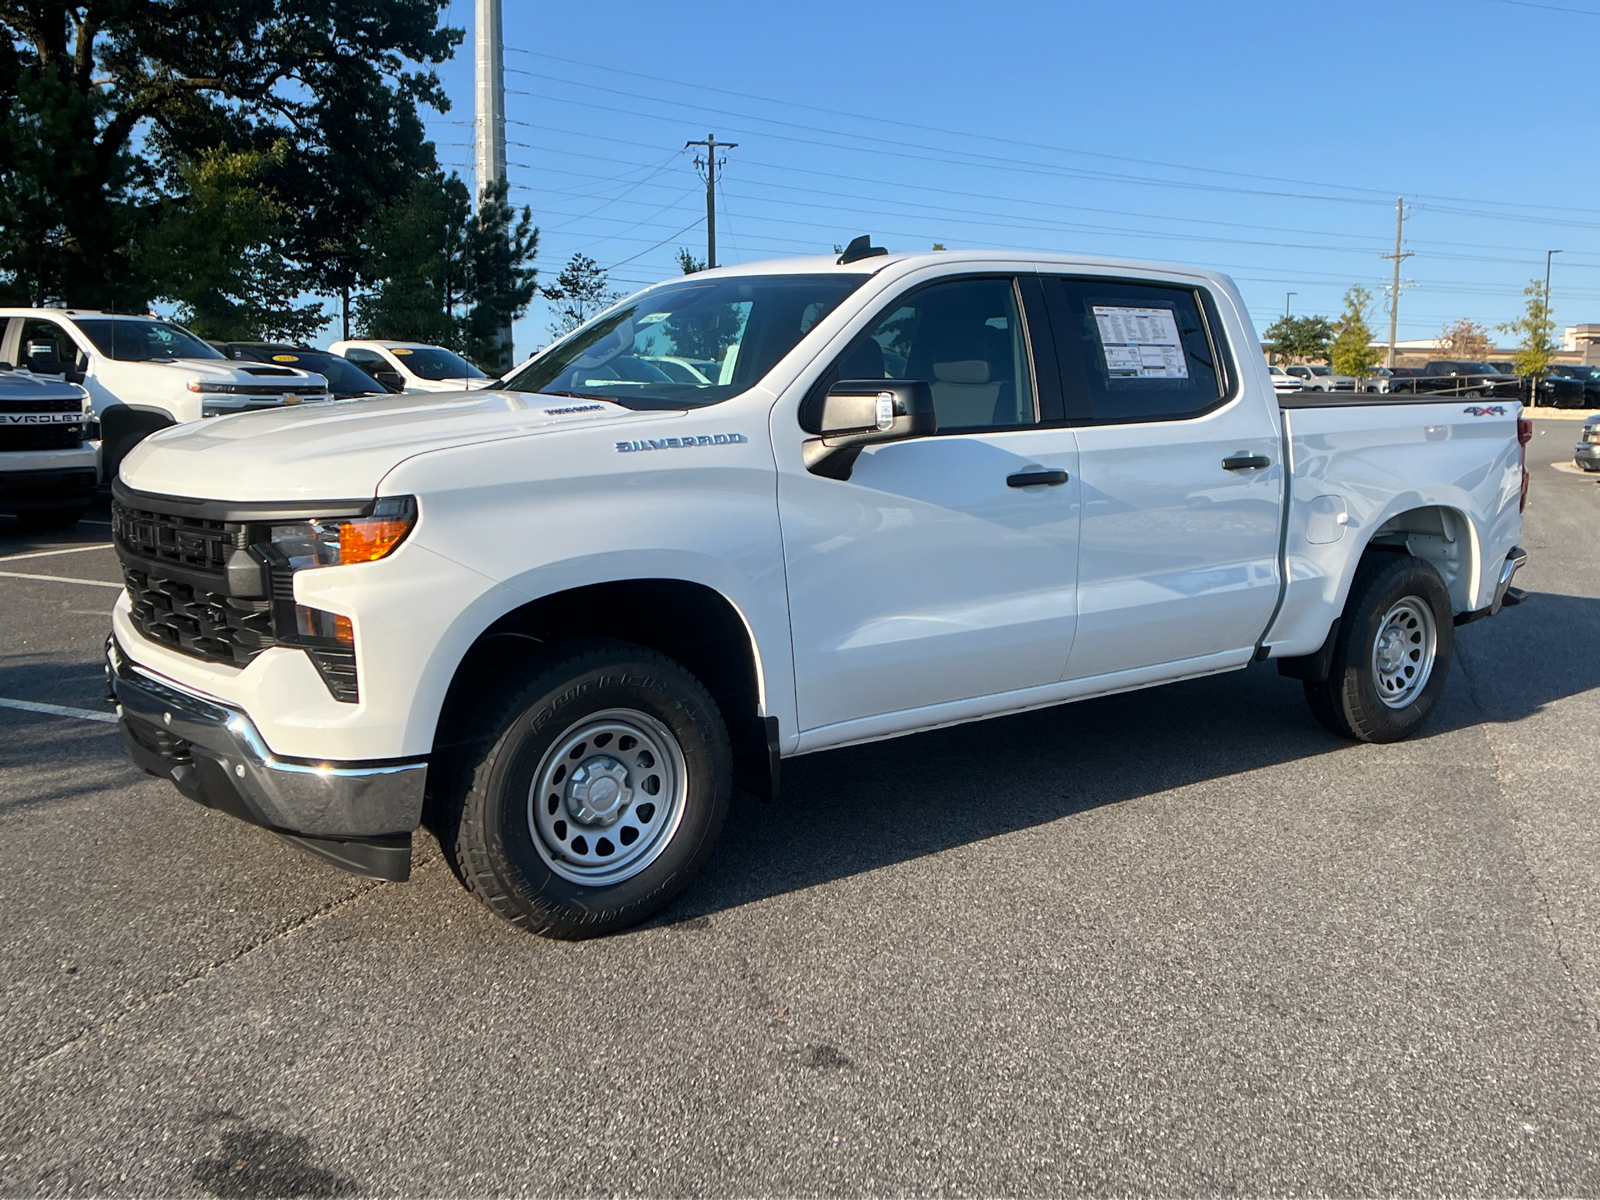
[(77, 312), (821, 264)]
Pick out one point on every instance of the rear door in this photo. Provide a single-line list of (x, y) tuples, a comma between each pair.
[(1182, 487)]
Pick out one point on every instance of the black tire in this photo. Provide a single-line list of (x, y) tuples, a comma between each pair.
[(52, 518), (500, 846), (1349, 702), (117, 448)]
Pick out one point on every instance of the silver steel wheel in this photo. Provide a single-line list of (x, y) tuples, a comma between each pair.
[(607, 798), (1404, 650)]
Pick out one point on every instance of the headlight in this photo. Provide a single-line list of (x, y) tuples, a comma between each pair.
[(205, 385), (344, 540)]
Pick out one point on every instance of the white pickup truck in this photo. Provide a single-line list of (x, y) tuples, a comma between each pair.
[(561, 619), (143, 374)]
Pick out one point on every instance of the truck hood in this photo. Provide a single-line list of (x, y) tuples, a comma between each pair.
[(217, 370), (342, 449)]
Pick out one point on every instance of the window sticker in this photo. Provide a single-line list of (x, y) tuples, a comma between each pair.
[(1141, 343)]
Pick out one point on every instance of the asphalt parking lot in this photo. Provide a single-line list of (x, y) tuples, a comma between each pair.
[(1179, 941)]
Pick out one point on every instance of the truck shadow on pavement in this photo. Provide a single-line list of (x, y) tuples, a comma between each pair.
[(847, 811)]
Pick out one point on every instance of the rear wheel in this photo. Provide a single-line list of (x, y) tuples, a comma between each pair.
[(52, 518), (1395, 643), (598, 792)]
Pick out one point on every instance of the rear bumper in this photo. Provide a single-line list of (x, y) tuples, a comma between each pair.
[(1586, 452), (1504, 593), (358, 816)]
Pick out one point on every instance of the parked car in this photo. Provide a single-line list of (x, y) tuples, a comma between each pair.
[(1589, 377), (1282, 381), (1587, 452), (48, 445), (143, 374), (412, 366), (1459, 378), (1320, 378), (345, 379), (577, 610)]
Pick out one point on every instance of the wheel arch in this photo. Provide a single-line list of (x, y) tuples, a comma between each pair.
[(1442, 535), (690, 622)]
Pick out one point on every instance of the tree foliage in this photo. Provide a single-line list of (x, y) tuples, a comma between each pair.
[(1300, 337), (1465, 339), (1351, 352), (580, 291), (107, 105), (1535, 329), (502, 245), (447, 276), (688, 263), (219, 251)]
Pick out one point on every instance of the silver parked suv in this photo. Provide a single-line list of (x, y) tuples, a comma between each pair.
[(1587, 452)]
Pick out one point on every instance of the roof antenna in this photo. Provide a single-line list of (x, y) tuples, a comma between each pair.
[(860, 248)]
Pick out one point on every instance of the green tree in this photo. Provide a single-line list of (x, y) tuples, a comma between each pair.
[(581, 290), (688, 263), (1351, 352), (1300, 337), (1536, 330), (421, 258), (102, 101), (502, 244), (218, 251)]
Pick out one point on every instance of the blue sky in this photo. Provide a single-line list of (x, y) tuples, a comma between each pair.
[(1269, 140)]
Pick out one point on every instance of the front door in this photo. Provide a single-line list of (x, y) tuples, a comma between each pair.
[(1182, 484), (937, 572)]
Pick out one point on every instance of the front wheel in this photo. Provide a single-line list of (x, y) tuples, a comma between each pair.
[(602, 792), (1392, 655)]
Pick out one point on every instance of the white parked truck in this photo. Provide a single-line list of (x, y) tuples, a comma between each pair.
[(143, 374), (412, 366), (563, 618)]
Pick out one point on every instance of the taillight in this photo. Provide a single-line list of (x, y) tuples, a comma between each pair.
[(1524, 436)]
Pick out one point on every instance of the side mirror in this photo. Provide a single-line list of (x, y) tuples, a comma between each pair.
[(391, 380), (864, 412)]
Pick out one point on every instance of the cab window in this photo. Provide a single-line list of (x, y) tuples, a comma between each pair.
[(964, 337), (1133, 351)]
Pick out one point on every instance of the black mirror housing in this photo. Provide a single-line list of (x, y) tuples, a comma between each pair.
[(865, 412)]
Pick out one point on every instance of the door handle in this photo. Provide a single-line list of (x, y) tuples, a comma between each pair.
[(1246, 462), (1036, 478)]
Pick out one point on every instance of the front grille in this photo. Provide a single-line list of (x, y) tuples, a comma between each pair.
[(183, 541), (265, 389), (40, 437), (175, 570), (206, 624), (70, 404)]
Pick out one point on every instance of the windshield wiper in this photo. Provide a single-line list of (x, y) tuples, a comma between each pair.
[(580, 396)]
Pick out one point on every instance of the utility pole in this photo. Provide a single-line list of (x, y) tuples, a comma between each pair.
[(490, 118), (1548, 255), (711, 162), (1288, 296), (1399, 257)]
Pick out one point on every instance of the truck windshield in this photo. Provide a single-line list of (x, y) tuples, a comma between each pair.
[(687, 345), (430, 362), (144, 341)]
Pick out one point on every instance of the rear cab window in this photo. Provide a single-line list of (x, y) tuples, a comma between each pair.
[(1131, 350)]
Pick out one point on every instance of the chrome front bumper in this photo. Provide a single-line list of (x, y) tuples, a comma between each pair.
[(357, 815)]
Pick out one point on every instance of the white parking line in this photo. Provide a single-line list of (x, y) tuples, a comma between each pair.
[(58, 710), (60, 579), (48, 553)]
